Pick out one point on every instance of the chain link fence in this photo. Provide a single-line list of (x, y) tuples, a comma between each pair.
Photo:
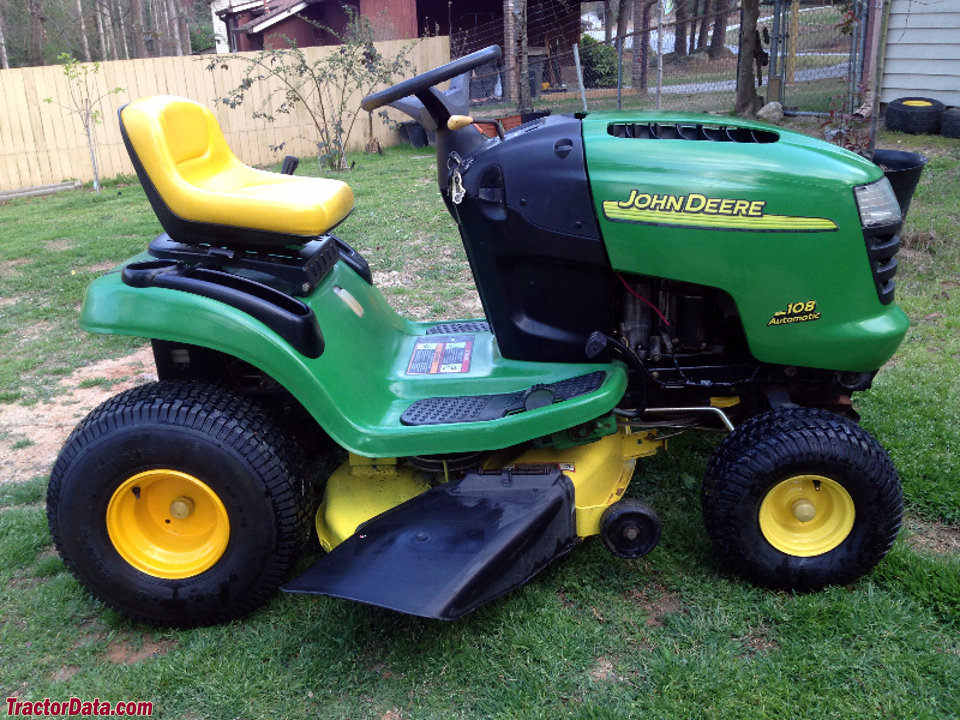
[(816, 54), (686, 59)]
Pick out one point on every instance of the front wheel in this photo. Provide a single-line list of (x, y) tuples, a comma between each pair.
[(800, 498), (178, 504)]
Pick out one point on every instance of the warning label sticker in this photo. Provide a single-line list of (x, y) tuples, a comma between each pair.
[(441, 354)]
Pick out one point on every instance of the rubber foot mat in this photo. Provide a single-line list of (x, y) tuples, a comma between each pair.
[(459, 328), (483, 408)]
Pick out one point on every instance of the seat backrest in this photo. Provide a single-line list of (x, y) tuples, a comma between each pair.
[(186, 131), (162, 133), (178, 143), (202, 193)]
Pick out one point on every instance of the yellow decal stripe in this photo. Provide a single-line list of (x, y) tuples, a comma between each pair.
[(613, 211)]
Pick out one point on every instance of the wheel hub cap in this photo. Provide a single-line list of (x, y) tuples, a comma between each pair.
[(806, 515), (803, 510), (168, 524), (181, 508)]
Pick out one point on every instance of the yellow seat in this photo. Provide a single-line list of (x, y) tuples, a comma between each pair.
[(203, 193)]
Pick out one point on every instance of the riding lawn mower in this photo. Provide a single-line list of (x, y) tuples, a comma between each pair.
[(641, 274)]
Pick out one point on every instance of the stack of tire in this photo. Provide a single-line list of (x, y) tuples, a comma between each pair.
[(922, 116)]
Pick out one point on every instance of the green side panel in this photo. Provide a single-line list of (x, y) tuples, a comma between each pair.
[(774, 225), (359, 387)]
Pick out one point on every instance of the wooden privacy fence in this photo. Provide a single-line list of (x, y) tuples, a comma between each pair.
[(43, 143)]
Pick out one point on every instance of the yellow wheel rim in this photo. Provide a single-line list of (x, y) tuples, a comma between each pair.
[(806, 515), (917, 103), (168, 524)]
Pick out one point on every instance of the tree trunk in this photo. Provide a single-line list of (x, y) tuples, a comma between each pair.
[(645, 44), (84, 41), (173, 27), (111, 34), (693, 17), (184, 28), (623, 17), (747, 100), (639, 58), (101, 35), (718, 42), (524, 103), (509, 52), (88, 127), (4, 60), (608, 20), (680, 34), (704, 35), (138, 26), (160, 42), (123, 30), (35, 42)]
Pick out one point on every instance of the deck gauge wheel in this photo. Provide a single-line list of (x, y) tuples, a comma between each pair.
[(630, 528)]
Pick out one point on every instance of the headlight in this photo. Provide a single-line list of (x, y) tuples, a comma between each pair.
[(877, 203)]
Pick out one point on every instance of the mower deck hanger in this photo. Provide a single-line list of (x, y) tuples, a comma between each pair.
[(634, 286)]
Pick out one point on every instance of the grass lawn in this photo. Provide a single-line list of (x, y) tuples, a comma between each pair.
[(669, 636)]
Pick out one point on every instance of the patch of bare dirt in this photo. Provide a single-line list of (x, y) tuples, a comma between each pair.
[(603, 671), (47, 425), (65, 673), (932, 536), (47, 554), (101, 267), (922, 246), (759, 641), (8, 265), (917, 259), (9, 301), (59, 245), (566, 602), (390, 278), (22, 581), (122, 651), (32, 333), (93, 631), (657, 602)]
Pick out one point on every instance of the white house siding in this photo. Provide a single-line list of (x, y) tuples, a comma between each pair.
[(923, 51), (219, 26)]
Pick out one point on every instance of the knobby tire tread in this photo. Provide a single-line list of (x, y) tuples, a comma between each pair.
[(950, 123), (807, 436), (228, 419), (916, 120)]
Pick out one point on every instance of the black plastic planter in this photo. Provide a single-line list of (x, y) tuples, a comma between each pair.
[(903, 170)]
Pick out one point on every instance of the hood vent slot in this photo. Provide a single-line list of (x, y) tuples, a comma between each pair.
[(691, 131)]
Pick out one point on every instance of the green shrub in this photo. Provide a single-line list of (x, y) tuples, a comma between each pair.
[(599, 63)]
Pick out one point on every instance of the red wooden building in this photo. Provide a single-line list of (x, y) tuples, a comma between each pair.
[(266, 24)]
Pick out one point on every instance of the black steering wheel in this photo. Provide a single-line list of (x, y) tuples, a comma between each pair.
[(420, 85)]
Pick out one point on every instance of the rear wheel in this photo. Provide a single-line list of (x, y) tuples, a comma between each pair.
[(801, 498), (179, 503)]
